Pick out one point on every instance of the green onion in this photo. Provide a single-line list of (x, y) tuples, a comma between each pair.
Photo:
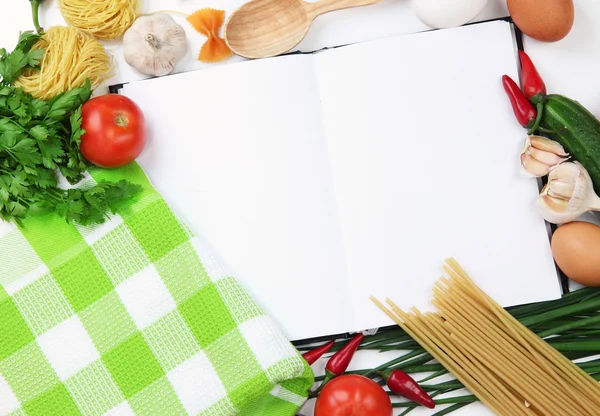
[(451, 409), (450, 400)]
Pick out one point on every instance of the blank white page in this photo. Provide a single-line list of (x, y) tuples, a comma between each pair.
[(238, 152), (424, 150)]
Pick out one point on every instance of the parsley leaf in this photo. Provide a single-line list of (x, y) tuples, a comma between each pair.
[(39, 132), (52, 153), (76, 131), (45, 179), (27, 152), (34, 57), (22, 58), (64, 104)]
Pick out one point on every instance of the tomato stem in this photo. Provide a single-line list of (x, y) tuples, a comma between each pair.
[(121, 120)]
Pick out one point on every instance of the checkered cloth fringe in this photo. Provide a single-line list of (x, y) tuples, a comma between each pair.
[(134, 317)]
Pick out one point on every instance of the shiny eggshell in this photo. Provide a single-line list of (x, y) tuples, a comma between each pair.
[(576, 250), (447, 13), (545, 20)]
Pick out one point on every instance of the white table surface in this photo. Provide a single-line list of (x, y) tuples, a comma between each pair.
[(570, 67)]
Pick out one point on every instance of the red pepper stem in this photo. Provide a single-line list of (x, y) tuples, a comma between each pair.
[(328, 376), (538, 98), (385, 374), (538, 119)]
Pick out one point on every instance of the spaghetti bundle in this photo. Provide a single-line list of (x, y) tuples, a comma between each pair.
[(509, 368), (70, 58), (103, 19)]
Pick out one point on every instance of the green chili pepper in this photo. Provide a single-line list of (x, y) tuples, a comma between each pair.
[(35, 7)]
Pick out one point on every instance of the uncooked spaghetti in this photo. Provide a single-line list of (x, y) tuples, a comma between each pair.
[(509, 368), (103, 19), (70, 58)]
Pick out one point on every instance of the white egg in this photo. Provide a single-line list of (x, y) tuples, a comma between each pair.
[(447, 13)]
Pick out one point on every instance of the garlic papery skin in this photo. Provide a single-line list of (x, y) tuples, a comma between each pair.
[(154, 44), (568, 194), (540, 155)]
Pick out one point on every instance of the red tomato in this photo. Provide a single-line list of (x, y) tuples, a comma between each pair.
[(353, 395), (115, 131)]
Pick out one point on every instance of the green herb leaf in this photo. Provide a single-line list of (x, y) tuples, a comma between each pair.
[(16, 209), (52, 153), (22, 58), (64, 104), (72, 175), (4, 194), (27, 39), (17, 183), (9, 138), (38, 108), (45, 179), (26, 151), (34, 57), (76, 131), (39, 132)]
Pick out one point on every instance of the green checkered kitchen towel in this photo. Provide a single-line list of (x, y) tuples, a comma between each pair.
[(134, 317)]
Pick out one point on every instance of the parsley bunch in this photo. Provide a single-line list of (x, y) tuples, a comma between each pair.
[(40, 138)]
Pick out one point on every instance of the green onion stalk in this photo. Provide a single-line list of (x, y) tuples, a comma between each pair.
[(570, 324), (35, 9)]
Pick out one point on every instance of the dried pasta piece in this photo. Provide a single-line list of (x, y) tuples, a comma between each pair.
[(209, 22)]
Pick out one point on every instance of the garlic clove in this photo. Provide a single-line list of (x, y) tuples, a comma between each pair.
[(540, 155), (555, 211), (533, 167), (568, 194), (547, 158), (562, 189), (547, 145)]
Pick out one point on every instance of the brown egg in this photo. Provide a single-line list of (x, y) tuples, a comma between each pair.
[(545, 20), (576, 250)]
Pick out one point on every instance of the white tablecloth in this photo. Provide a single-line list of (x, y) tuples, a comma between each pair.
[(570, 67)]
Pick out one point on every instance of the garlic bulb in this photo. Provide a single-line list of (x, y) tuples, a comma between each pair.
[(540, 155), (154, 44), (568, 194)]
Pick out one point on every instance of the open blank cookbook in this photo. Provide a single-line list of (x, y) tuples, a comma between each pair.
[(321, 179)]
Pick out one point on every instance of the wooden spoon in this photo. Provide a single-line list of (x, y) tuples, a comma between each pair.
[(263, 28)]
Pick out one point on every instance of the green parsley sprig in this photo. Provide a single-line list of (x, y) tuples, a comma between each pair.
[(40, 138)]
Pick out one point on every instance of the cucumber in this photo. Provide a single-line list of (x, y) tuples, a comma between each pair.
[(573, 126)]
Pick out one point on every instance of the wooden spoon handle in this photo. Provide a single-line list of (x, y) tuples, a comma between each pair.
[(317, 8)]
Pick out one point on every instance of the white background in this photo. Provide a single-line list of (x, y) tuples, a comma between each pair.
[(570, 67)]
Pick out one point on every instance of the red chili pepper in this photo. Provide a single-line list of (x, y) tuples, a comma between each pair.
[(533, 85), (524, 111), (339, 362), (404, 385), (313, 355)]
